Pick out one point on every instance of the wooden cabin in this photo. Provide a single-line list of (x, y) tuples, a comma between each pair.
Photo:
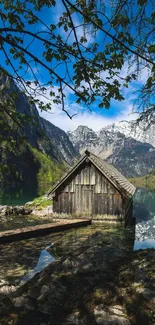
[(93, 189)]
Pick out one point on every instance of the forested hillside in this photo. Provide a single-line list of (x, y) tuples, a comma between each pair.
[(33, 152)]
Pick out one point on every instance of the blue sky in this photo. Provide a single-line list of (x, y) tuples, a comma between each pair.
[(96, 118)]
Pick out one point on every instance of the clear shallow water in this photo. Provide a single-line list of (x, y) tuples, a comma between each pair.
[(21, 260), (18, 221), (148, 243)]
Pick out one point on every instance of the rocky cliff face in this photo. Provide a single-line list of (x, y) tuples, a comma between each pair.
[(34, 152), (131, 157), (84, 137), (59, 140), (40, 133), (100, 143)]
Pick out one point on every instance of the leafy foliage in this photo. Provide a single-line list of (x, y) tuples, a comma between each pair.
[(21, 164), (49, 171), (91, 69), (12, 144)]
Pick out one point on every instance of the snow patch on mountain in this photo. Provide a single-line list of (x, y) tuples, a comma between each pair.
[(140, 132), (130, 152)]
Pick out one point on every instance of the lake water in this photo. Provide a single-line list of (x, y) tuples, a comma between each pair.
[(144, 211), (19, 261), (17, 196)]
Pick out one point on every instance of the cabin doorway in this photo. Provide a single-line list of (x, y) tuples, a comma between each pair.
[(84, 200)]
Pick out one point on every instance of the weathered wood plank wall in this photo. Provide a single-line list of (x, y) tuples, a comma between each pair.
[(87, 192)]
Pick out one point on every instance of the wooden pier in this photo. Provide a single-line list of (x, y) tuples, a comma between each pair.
[(41, 230)]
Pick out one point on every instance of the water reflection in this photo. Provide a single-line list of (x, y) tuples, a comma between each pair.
[(144, 211), (148, 243), (20, 195), (17, 196), (45, 259), (144, 204)]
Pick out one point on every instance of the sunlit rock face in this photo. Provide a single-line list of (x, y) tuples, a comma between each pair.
[(63, 147), (84, 137), (131, 157), (141, 132)]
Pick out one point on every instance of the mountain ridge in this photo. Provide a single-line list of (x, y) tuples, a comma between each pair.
[(139, 131), (130, 156)]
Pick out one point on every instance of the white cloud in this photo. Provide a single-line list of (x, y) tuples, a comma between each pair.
[(91, 119), (84, 117), (142, 75)]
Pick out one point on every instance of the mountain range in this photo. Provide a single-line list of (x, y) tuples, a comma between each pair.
[(128, 150), (128, 147), (141, 132)]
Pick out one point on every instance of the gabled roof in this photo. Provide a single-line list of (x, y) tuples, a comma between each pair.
[(112, 174)]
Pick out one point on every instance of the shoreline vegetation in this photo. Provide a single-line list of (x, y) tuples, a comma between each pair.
[(39, 203), (147, 181)]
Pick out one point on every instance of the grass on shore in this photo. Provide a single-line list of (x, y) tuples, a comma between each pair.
[(40, 203)]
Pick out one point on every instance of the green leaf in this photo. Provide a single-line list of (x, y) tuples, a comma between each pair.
[(101, 105), (142, 2), (151, 49)]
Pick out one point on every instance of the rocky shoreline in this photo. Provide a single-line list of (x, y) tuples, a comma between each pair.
[(17, 217), (92, 285), (6, 210), (27, 209)]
